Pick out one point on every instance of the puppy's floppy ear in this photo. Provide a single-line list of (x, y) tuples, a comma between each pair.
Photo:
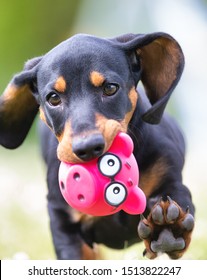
[(18, 107), (161, 60)]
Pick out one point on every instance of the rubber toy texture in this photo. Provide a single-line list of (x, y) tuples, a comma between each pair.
[(105, 185)]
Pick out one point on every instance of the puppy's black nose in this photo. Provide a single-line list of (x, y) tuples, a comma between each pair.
[(89, 147)]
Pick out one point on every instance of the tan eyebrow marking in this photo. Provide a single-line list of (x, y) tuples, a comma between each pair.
[(60, 84), (96, 78), (42, 115)]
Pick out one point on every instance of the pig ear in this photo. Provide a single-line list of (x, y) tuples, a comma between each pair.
[(123, 143), (135, 202), (18, 106)]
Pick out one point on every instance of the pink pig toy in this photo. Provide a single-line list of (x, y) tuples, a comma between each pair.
[(105, 185)]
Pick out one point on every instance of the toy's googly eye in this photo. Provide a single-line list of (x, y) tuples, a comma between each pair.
[(115, 194), (109, 165)]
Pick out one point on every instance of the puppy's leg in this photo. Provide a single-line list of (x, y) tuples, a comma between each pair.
[(65, 233), (65, 230)]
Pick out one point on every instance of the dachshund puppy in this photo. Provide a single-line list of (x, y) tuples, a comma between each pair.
[(86, 91)]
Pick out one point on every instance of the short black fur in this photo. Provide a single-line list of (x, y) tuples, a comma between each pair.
[(75, 74)]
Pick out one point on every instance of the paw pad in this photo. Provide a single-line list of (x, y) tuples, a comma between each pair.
[(167, 229), (167, 242), (173, 211), (144, 229), (188, 222), (157, 215)]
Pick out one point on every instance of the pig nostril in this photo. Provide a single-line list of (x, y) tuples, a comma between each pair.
[(76, 176), (62, 185), (81, 197)]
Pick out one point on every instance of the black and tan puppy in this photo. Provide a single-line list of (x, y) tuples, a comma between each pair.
[(85, 89)]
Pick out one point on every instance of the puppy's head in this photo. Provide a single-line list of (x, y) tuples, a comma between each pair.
[(85, 89)]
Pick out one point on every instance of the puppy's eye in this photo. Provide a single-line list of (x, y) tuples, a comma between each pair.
[(110, 89), (53, 99)]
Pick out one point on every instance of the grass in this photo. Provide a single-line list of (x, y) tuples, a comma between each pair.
[(24, 224), (22, 233)]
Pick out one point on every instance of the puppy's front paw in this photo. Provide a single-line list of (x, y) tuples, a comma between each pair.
[(167, 229)]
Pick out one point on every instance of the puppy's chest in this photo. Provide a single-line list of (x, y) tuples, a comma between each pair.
[(152, 177)]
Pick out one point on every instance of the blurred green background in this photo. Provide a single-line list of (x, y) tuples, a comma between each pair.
[(31, 28)]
